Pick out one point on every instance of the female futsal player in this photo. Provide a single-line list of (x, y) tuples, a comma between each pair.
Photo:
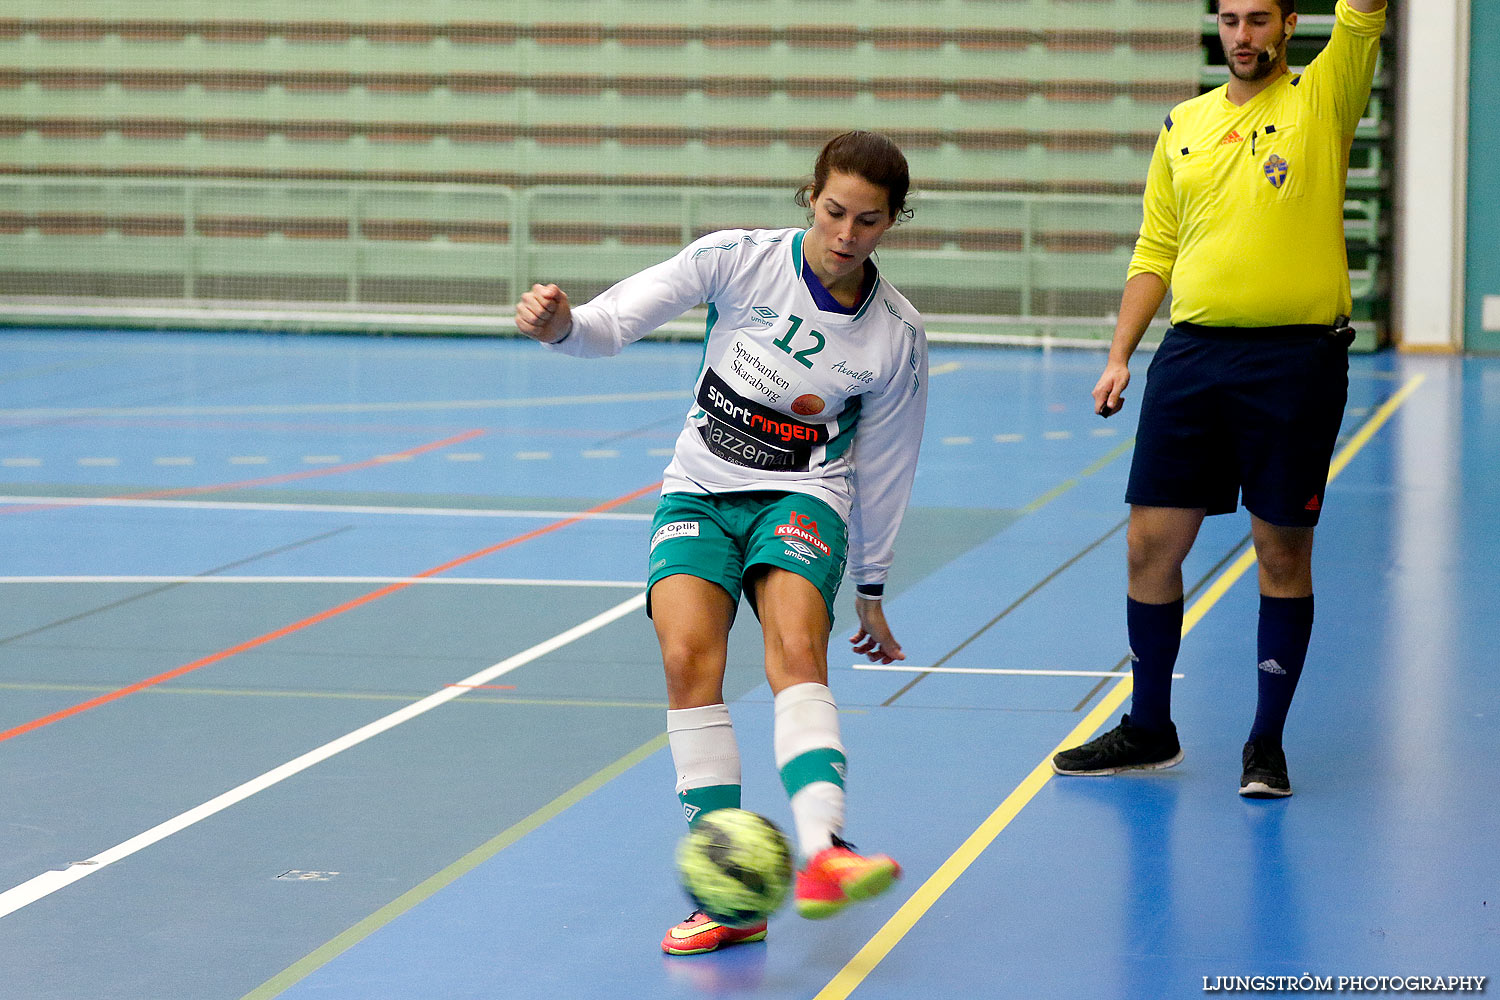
[(797, 454)]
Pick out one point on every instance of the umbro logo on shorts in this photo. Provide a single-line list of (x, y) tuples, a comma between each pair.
[(797, 550)]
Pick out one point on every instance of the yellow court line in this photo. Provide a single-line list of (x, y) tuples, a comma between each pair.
[(880, 945)]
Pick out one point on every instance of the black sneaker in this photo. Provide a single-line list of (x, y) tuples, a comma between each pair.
[(1123, 748), (1264, 776)]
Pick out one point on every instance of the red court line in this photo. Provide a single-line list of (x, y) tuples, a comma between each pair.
[(285, 477), (321, 616)]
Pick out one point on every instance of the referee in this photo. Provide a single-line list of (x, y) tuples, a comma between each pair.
[(1244, 221)]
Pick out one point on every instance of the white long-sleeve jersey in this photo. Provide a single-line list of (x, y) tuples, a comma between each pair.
[(790, 397)]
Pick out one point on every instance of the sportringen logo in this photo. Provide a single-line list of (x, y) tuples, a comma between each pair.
[(746, 433)]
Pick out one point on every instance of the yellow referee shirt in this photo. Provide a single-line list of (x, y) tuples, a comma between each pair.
[(1244, 206)]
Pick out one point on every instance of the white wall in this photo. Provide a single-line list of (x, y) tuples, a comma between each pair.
[(1431, 153)]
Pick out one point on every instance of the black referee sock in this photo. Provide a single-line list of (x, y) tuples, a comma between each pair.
[(1155, 632), (1284, 632)]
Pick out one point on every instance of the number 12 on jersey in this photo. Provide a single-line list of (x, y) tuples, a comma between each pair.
[(785, 343)]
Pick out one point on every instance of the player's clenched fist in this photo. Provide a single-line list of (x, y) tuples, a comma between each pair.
[(543, 314)]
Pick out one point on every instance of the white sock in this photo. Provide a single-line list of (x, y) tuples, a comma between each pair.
[(810, 757), (706, 757)]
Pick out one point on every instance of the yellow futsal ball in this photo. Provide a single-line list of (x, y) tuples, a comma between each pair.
[(736, 865)]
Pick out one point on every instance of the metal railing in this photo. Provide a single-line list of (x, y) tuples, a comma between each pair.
[(224, 247)]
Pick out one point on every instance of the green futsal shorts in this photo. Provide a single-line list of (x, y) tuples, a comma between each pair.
[(720, 537)]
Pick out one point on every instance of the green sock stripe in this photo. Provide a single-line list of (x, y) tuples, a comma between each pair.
[(822, 764), (696, 802)]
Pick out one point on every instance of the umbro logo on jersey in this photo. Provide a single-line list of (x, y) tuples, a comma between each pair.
[(763, 316), (1271, 667), (1233, 136)]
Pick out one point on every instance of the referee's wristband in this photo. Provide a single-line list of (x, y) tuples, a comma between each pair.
[(870, 591)]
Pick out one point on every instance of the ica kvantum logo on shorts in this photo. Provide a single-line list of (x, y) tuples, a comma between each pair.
[(804, 528)]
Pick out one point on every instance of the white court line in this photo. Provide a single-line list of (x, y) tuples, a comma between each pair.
[(463, 581), (45, 884), (1007, 672), (546, 515)]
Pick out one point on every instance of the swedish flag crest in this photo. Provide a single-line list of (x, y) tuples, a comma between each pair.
[(1276, 170)]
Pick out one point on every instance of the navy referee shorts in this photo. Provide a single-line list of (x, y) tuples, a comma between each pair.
[(1241, 412)]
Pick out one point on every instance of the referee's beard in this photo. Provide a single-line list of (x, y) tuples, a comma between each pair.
[(1257, 70)]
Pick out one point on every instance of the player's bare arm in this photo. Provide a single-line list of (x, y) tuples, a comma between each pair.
[(1366, 6)]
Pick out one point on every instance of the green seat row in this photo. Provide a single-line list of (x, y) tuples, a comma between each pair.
[(674, 161), (875, 13), (526, 107), (949, 61)]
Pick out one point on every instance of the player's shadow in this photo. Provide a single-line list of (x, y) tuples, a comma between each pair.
[(1145, 808), (736, 970), (1200, 871), (1275, 898)]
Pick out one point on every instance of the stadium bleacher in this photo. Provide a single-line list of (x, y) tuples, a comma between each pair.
[(415, 154)]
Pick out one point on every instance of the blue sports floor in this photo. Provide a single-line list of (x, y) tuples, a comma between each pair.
[(324, 674)]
